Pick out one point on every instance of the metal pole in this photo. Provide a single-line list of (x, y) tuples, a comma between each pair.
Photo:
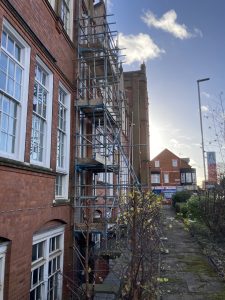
[(221, 103), (200, 114)]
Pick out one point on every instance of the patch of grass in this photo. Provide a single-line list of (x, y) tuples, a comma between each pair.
[(218, 296), (201, 229), (175, 280), (199, 265)]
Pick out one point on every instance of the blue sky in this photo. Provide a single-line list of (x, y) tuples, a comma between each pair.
[(180, 41)]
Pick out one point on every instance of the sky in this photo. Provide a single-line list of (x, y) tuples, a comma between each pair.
[(180, 41)]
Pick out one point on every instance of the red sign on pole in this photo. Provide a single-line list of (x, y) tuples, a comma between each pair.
[(212, 169)]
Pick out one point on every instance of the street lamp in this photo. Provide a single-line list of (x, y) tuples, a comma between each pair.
[(200, 114)]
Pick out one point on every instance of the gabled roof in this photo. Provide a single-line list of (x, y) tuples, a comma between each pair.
[(170, 153), (164, 152)]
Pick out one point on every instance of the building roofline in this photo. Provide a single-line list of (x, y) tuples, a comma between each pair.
[(171, 153)]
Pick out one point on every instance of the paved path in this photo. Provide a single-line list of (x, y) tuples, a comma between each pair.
[(186, 273)]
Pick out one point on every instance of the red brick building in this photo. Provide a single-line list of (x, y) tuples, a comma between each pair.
[(64, 143), (170, 173), (37, 68), (135, 84)]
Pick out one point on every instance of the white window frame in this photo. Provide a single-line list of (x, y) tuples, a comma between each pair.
[(110, 181), (64, 172), (47, 138), (3, 249), (194, 177), (182, 178), (155, 178), (101, 177), (157, 164), (47, 256), (188, 177), (69, 28), (175, 163), (22, 105), (166, 178)]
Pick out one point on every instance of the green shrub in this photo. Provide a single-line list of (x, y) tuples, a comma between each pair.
[(181, 208), (179, 197), (177, 207), (184, 210), (194, 206), (199, 228)]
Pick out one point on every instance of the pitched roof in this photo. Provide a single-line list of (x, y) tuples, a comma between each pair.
[(162, 152), (170, 153)]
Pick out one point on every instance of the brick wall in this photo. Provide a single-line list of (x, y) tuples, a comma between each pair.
[(42, 20), (26, 206), (27, 192), (135, 83)]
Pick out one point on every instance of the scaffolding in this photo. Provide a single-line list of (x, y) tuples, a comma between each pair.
[(103, 169)]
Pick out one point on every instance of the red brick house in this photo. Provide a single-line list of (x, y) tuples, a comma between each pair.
[(170, 173)]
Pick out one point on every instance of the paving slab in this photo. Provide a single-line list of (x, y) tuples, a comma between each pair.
[(186, 272)]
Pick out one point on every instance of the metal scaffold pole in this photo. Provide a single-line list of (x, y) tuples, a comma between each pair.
[(103, 169)]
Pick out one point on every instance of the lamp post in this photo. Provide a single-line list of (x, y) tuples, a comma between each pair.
[(200, 114)]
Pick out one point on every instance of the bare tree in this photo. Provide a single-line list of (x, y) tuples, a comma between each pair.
[(142, 218)]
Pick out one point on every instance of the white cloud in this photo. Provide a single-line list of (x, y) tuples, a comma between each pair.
[(184, 137), (175, 144), (198, 32), (139, 48), (204, 108), (168, 128), (198, 145), (206, 95), (168, 23)]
